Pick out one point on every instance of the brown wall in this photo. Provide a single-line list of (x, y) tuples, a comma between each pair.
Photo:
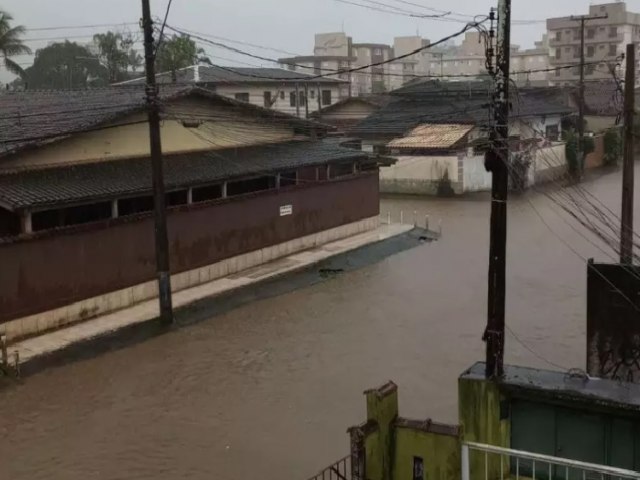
[(58, 268), (596, 158)]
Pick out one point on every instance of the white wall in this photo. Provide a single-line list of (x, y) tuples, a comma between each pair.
[(256, 95), (475, 176), (420, 175)]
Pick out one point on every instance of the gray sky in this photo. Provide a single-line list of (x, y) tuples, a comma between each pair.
[(283, 24)]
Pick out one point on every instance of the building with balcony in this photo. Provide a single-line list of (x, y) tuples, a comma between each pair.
[(605, 41)]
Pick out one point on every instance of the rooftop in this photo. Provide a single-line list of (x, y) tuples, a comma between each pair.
[(105, 180), (439, 136)]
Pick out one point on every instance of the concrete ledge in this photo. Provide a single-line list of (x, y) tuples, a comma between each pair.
[(93, 307)]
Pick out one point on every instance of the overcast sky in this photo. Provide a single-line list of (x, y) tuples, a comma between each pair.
[(282, 24)]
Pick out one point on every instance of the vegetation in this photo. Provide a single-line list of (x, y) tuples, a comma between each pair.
[(65, 65), (612, 146), (10, 43), (116, 55), (576, 166), (176, 52)]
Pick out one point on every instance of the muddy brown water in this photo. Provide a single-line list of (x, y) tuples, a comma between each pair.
[(268, 390)]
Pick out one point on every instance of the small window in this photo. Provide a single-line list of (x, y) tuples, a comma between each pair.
[(203, 194), (551, 132), (292, 99), (242, 97), (613, 50), (326, 97), (576, 34), (418, 468), (303, 99), (267, 99), (559, 35), (613, 32), (288, 179), (131, 206), (576, 52), (176, 198), (591, 33), (558, 53), (341, 170), (591, 50), (312, 94), (281, 95), (601, 47), (257, 184), (557, 73), (377, 51), (589, 69)]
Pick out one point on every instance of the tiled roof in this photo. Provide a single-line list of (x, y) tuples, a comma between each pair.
[(112, 179), (33, 117), (211, 75), (432, 136), (452, 102)]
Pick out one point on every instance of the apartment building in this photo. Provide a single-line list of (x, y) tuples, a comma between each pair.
[(530, 66), (337, 52), (605, 40)]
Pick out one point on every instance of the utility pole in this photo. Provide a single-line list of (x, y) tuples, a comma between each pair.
[(582, 19), (626, 227), (306, 100), (297, 100), (497, 162), (160, 210)]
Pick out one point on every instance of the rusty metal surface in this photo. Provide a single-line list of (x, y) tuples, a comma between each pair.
[(55, 270)]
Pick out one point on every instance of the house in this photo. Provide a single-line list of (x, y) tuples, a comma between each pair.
[(244, 184), (438, 133), (295, 93), (350, 111)]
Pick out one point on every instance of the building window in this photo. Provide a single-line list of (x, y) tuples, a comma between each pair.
[(559, 35), (576, 52), (292, 99), (326, 97), (131, 206), (591, 33), (576, 34), (70, 216), (557, 73), (551, 132), (575, 70), (558, 53), (613, 32), (288, 179), (613, 50), (589, 69), (176, 198), (591, 50), (601, 47), (567, 49), (377, 51), (312, 93), (418, 468), (267, 99), (242, 97), (257, 184), (203, 194), (341, 170), (281, 95), (302, 99)]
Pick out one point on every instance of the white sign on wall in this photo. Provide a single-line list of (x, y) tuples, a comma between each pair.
[(286, 210)]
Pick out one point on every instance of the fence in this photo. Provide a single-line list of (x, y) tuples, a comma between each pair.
[(516, 464), (341, 470)]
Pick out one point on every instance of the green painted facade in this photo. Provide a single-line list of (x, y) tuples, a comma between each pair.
[(440, 454)]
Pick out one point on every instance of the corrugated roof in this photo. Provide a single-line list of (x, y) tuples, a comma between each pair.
[(444, 135), (102, 181)]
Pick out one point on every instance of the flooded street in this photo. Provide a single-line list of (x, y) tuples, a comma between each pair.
[(268, 390)]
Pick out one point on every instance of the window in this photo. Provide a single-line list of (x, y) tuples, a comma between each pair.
[(281, 95), (418, 468), (257, 184), (591, 50), (576, 34), (559, 35), (302, 99), (210, 192), (70, 216), (601, 47), (551, 132), (558, 53), (326, 97), (613, 50), (312, 93), (267, 99), (576, 52), (567, 49), (242, 97), (575, 70), (557, 73), (589, 69), (341, 170), (591, 33), (131, 206), (292, 99), (288, 178), (176, 198), (377, 51), (613, 32)]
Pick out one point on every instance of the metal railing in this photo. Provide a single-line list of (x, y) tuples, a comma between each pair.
[(497, 462), (341, 470)]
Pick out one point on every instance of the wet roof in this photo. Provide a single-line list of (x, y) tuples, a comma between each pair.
[(444, 135), (78, 184), (563, 385)]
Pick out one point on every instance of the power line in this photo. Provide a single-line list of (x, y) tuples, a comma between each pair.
[(79, 27), (398, 11), (164, 23)]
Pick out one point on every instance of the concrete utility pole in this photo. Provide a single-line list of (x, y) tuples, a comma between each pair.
[(306, 100), (160, 210), (497, 162), (626, 227), (297, 100), (582, 19)]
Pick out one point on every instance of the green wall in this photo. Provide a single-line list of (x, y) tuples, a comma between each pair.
[(479, 415), (382, 408), (440, 454)]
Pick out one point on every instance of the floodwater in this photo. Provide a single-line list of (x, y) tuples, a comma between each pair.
[(268, 390)]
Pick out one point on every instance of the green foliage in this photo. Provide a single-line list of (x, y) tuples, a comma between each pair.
[(65, 65), (612, 146), (176, 52), (116, 54), (575, 165), (10, 43)]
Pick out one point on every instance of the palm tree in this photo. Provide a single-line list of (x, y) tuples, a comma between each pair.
[(10, 43)]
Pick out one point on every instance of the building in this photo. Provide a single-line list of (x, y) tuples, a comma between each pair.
[(438, 133), (295, 93), (245, 185), (605, 41), (336, 52), (530, 66), (349, 112)]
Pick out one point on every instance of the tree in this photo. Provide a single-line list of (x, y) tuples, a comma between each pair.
[(135, 60), (10, 43), (178, 51), (65, 65), (115, 54)]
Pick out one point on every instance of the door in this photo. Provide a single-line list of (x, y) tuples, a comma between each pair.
[(580, 436)]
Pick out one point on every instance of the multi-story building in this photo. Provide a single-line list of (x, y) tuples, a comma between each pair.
[(530, 66), (336, 52), (605, 40)]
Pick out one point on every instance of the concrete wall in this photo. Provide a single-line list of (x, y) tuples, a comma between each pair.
[(256, 95), (128, 141), (550, 163), (57, 268), (421, 175), (475, 176), (599, 123), (596, 158)]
